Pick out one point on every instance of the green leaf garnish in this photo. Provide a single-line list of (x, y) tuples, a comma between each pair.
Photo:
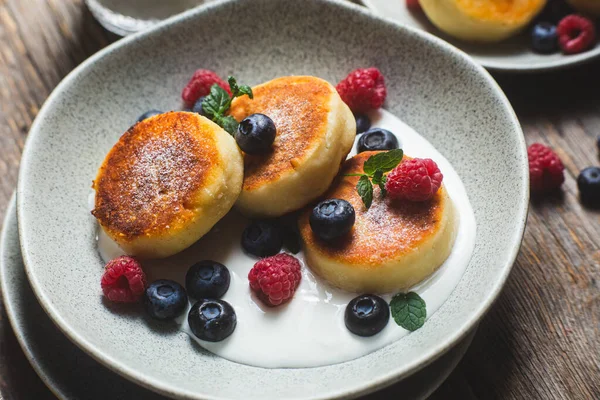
[(379, 179), (384, 162), (408, 310), (218, 101), (229, 124), (238, 91), (365, 190), (374, 169)]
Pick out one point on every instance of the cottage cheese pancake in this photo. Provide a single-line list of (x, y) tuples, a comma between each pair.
[(482, 20), (392, 246), (315, 133), (166, 182)]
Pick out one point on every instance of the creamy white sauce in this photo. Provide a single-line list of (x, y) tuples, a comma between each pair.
[(309, 331)]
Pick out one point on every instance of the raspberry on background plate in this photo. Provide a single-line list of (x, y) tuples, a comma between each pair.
[(123, 281), (200, 84), (576, 34), (363, 90), (275, 279), (546, 170)]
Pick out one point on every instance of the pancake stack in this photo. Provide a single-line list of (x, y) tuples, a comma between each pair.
[(172, 177)]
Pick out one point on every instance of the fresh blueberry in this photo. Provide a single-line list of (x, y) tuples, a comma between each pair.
[(544, 38), (588, 183), (377, 139), (207, 279), (256, 134), (212, 320), (332, 218), (363, 123), (197, 107), (262, 239), (165, 299), (148, 114), (367, 315)]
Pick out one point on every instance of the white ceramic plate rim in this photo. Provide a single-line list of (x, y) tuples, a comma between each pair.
[(384, 380), (11, 313), (507, 66), (55, 387)]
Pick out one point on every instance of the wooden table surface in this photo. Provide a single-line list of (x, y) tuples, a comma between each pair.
[(541, 340)]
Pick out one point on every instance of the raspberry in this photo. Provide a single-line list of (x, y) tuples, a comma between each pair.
[(363, 90), (275, 279), (546, 171), (416, 179), (124, 280), (413, 5), (576, 34), (200, 85)]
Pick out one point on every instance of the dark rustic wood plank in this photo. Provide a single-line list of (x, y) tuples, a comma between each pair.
[(541, 339), (40, 42)]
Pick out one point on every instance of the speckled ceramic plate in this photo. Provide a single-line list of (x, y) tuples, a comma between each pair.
[(73, 375), (436, 89), (513, 55)]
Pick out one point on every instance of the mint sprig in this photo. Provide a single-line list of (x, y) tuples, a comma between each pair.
[(365, 190), (218, 102), (408, 310), (374, 169)]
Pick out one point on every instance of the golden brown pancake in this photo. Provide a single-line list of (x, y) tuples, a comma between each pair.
[(315, 132), (392, 246), (166, 182)]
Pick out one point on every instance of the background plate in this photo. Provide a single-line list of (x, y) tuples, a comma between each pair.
[(438, 91), (514, 54)]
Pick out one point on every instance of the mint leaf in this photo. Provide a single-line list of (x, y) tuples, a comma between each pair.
[(382, 188), (379, 179), (216, 103), (365, 190), (228, 123), (408, 310), (245, 90), (233, 86), (383, 161), (374, 169), (238, 91)]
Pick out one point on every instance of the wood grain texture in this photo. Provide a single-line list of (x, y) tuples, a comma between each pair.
[(541, 340)]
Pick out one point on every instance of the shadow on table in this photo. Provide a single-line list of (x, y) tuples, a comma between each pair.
[(17, 378), (486, 368), (544, 94)]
